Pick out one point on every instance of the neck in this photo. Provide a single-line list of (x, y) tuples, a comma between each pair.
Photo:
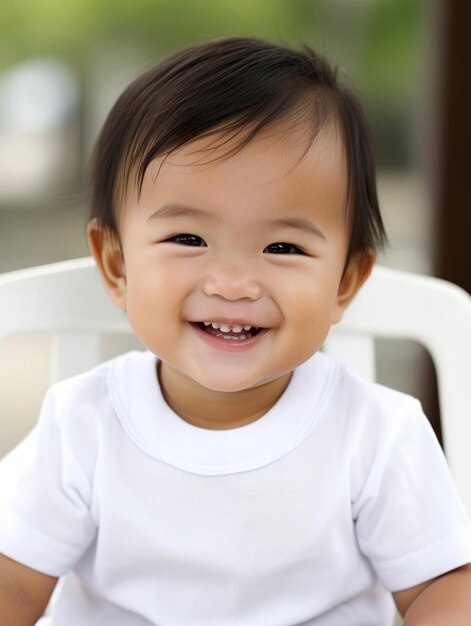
[(217, 410)]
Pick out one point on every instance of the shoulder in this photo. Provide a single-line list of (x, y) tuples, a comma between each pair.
[(76, 397), (366, 404), (79, 410), (92, 389), (372, 422)]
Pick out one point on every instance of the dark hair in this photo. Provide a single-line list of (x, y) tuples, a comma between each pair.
[(235, 84)]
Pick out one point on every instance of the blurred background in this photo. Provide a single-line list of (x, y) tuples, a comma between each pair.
[(63, 64)]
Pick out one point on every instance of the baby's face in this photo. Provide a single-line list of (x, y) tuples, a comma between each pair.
[(254, 240)]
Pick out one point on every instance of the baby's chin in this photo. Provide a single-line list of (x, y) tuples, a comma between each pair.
[(243, 384), (213, 378), (220, 384)]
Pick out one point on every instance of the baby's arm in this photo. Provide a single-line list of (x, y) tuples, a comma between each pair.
[(441, 601), (24, 593)]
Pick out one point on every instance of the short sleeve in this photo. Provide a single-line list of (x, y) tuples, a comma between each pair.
[(45, 494), (410, 521)]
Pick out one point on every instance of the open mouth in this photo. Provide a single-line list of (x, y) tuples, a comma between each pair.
[(225, 331)]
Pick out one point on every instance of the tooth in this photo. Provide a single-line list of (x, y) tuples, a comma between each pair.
[(215, 325), (236, 329), (247, 327), (224, 327), (207, 323)]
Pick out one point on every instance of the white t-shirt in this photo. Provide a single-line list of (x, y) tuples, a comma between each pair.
[(305, 516)]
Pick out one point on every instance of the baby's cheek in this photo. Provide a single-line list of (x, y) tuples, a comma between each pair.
[(309, 324)]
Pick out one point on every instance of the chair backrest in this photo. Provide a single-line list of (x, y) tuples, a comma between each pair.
[(68, 300), (434, 313)]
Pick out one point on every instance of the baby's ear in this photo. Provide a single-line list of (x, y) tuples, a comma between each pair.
[(106, 251), (355, 274)]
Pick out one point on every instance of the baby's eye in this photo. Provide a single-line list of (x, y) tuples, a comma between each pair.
[(186, 239), (281, 247)]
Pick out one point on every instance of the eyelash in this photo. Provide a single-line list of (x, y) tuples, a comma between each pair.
[(195, 238)]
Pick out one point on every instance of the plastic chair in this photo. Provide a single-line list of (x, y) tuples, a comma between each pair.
[(68, 300), (434, 313)]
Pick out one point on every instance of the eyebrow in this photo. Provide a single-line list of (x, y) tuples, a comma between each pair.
[(169, 211), (300, 223)]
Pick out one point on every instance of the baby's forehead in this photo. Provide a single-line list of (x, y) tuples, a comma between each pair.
[(289, 133), (276, 177), (271, 154), (283, 159)]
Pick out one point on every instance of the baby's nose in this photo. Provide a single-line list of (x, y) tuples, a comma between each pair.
[(232, 282)]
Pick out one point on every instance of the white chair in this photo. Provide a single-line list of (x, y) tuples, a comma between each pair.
[(434, 313), (68, 300)]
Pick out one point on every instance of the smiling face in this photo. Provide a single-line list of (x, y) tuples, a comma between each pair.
[(256, 239)]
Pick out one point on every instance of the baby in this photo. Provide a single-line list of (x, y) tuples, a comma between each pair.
[(232, 474)]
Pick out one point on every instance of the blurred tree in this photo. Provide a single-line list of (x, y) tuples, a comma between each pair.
[(72, 29), (375, 41), (453, 224)]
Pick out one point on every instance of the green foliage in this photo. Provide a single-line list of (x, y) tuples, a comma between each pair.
[(73, 29), (374, 40), (392, 51), (375, 43)]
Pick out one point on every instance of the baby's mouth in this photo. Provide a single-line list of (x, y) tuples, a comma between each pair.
[(226, 331)]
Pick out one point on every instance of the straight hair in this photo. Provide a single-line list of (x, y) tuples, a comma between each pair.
[(234, 86)]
